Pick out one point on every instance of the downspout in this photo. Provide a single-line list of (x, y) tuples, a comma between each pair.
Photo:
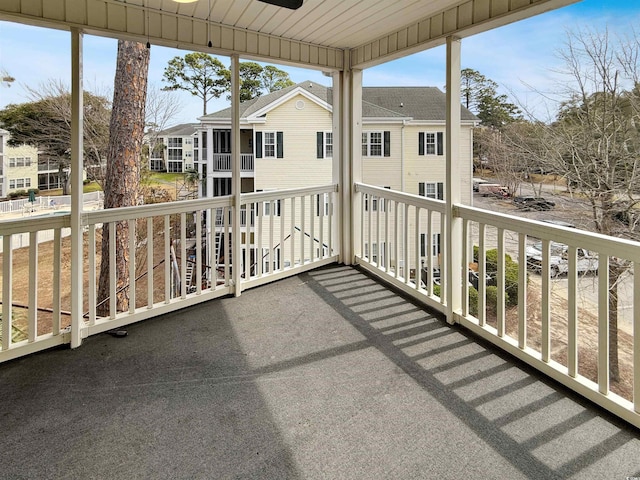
[(402, 179)]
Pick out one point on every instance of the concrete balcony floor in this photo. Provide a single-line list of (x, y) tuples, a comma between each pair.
[(328, 374)]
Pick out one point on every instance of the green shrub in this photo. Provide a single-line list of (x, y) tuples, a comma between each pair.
[(510, 270), (436, 290), (473, 301)]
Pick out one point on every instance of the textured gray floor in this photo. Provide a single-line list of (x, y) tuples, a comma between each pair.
[(328, 374)]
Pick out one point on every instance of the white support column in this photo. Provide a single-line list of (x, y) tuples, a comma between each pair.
[(338, 212), (349, 99), (235, 172), (453, 235), (76, 187)]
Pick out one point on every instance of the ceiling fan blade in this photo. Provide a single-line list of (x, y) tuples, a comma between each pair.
[(292, 4)]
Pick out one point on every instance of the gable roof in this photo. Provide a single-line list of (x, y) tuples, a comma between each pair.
[(182, 130), (416, 103)]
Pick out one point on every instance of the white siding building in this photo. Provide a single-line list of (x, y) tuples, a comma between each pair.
[(287, 142)]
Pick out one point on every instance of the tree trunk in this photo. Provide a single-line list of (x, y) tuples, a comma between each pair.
[(126, 132)]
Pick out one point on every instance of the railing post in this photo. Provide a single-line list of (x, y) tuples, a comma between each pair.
[(453, 233), (236, 245), (76, 187)]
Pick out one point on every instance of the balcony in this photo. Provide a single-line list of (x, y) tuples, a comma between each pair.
[(326, 374), (222, 162), (184, 255)]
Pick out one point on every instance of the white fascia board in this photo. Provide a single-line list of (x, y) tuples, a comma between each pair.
[(255, 117), (440, 123), (394, 120)]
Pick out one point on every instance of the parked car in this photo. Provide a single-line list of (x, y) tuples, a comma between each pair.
[(528, 204), (558, 260), (477, 182), (493, 190)]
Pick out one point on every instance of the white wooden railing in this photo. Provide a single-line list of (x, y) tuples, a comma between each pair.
[(176, 260), (558, 324), (222, 162)]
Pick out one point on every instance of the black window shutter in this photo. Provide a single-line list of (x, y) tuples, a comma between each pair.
[(420, 143), (440, 143), (258, 144), (279, 148), (319, 145), (421, 191), (440, 191), (387, 144)]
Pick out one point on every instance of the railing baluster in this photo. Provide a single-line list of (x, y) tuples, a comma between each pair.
[(150, 262), (57, 266), (416, 240), (500, 308), (330, 220), (545, 303), (113, 273), (257, 241), (396, 235), (198, 252), (293, 232), (312, 223), (465, 267), (482, 273), (303, 227), (227, 245), (378, 247), (443, 260), (321, 217), (247, 245), (183, 255), (387, 250), (33, 286), (282, 235), (405, 262), (7, 284), (270, 251), (167, 259), (369, 250), (572, 320), (132, 266), (603, 324), (92, 296), (429, 247), (522, 291)]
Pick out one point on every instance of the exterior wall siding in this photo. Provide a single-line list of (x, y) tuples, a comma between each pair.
[(299, 166)]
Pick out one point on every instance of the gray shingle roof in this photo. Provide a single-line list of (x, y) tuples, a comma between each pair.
[(418, 103), (182, 130)]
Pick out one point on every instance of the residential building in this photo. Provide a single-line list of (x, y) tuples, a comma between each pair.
[(287, 141), (173, 150), (19, 166)]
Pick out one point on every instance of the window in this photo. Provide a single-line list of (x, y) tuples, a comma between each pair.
[(324, 144), (269, 145), (431, 190), (435, 244), (12, 184), (174, 167), (322, 199), (27, 182), (430, 143), (188, 141), (276, 208), (20, 183), (12, 162), (196, 141), (27, 162), (175, 142), (371, 144)]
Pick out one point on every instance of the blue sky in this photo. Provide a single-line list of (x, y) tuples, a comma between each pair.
[(515, 56)]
